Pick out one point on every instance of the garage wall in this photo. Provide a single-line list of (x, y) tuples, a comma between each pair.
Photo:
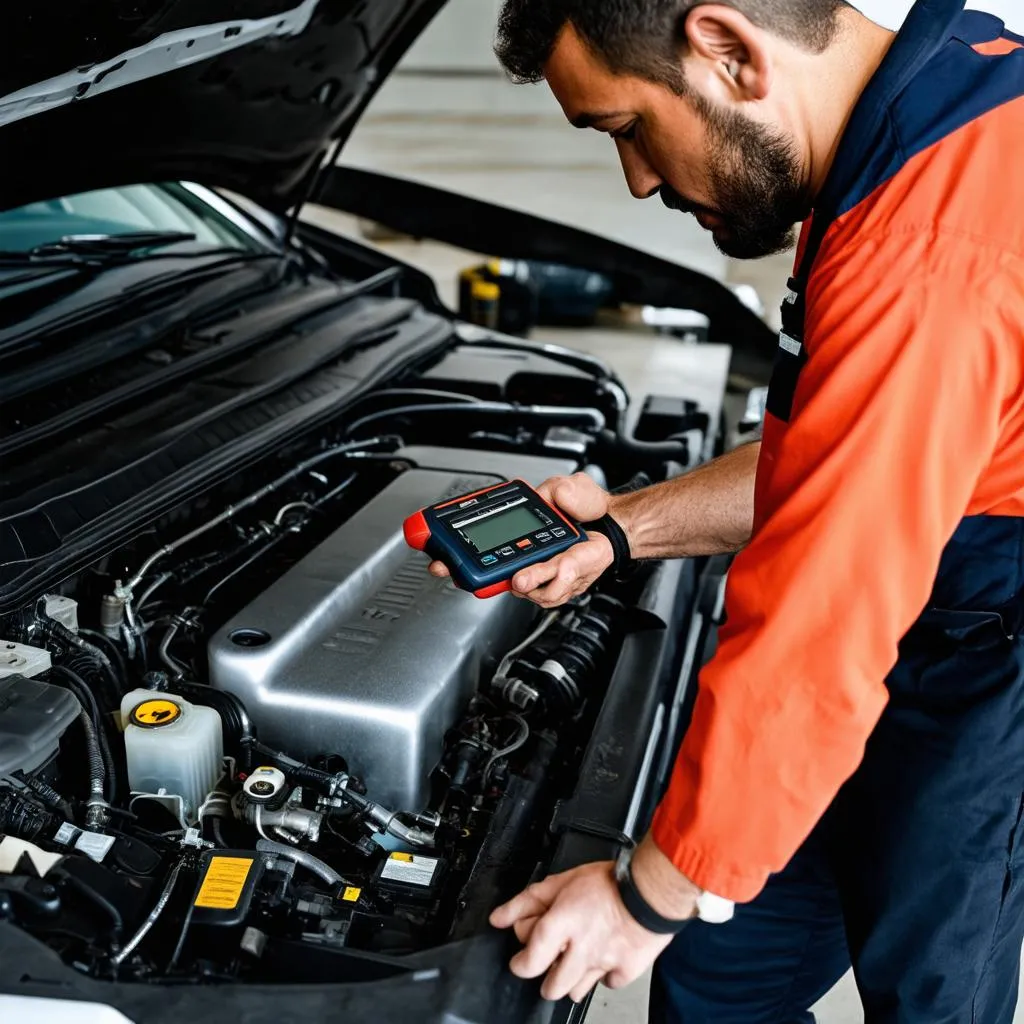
[(459, 40)]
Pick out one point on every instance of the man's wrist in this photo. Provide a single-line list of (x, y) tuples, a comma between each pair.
[(641, 518), (619, 509), (662, 885)]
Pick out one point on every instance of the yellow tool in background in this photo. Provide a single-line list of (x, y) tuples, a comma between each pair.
[(514, 296)]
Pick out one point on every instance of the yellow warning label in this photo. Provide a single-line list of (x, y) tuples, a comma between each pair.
[(351, 894), (157, 712), (224, 883), (402, 856)]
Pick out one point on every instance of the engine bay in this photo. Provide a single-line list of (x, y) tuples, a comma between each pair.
[(257, 742)]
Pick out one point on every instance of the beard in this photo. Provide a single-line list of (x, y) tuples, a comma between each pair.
[(756, 184)]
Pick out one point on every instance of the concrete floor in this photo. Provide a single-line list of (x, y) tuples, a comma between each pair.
[(511, 145)]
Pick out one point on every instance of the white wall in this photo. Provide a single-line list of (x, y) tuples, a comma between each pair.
[(460, 37)]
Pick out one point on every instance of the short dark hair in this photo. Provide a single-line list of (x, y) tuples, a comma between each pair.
[(642, 37)]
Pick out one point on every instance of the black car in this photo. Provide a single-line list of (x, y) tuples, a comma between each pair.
[(254, 761)]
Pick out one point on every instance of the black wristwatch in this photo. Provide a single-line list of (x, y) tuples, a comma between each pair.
[(639, 909), (624, 565)]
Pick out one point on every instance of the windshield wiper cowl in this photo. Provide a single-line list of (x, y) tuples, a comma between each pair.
[(98, 248)]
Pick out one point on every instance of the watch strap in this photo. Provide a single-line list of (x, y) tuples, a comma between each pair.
[(623, 564), (640, 910)]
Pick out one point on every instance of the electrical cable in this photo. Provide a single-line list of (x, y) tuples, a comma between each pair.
[(591, 417), (151, 920), (506, 663), (125, 591), (522, 736), (182, 935)]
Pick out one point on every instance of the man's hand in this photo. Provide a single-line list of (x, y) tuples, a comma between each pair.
[(573, 572), (576, 930)]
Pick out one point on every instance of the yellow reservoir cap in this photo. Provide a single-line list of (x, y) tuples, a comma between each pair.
[(152, 714)]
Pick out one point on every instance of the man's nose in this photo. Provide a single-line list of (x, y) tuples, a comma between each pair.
[(642, 179)]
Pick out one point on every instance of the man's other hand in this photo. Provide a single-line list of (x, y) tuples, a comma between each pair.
[(552, 583), (577, 931)]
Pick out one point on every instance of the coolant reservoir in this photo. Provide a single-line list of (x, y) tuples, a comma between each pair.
[(171, 745)]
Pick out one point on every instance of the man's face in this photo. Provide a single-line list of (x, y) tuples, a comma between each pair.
[(741, 179)]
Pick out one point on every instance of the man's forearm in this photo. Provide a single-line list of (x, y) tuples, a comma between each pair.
[(707, 512)]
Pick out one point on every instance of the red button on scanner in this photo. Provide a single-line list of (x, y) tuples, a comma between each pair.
[(524, 543)]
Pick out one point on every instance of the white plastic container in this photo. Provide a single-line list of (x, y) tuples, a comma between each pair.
[(171, 746)]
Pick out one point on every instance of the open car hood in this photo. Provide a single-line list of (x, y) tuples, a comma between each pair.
[(244, 94)]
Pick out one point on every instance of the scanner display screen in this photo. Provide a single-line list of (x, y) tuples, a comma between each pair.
[(502, 528)]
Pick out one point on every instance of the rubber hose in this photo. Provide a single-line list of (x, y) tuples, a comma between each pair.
[(323, 871), (59, 630), (235, 722), (97, 770), (311, 777), (644, 449), (81, 689), (90, 893), (107, 644), (296, 770), (86, 666)]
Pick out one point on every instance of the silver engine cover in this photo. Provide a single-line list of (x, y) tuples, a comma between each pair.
[(358, 651)]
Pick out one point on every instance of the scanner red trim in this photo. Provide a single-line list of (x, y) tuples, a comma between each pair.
[(416, 531)]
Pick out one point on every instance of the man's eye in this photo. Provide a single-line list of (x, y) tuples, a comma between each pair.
[(628, 133)]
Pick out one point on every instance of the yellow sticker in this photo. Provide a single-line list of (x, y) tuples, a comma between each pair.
[(402, 856), (151, 714), (224, 883), (351, 894)]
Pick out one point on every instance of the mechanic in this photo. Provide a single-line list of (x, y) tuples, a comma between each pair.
[(852, 778)]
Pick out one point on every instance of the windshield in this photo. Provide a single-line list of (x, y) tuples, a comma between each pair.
[(130, 209)]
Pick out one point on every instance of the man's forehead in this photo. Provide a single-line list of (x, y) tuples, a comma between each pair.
[(588, 92)]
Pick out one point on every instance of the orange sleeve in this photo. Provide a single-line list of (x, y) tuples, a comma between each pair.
[(896, 417)]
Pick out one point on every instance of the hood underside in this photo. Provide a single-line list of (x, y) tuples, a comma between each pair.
[(244, 94)]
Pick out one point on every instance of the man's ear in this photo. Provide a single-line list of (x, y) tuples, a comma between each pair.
[(732, 47)]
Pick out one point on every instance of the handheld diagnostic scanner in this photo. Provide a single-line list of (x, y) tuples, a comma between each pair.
[(486, 537)]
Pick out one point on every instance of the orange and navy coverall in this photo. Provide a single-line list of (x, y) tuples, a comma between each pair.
[(867, 694)]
